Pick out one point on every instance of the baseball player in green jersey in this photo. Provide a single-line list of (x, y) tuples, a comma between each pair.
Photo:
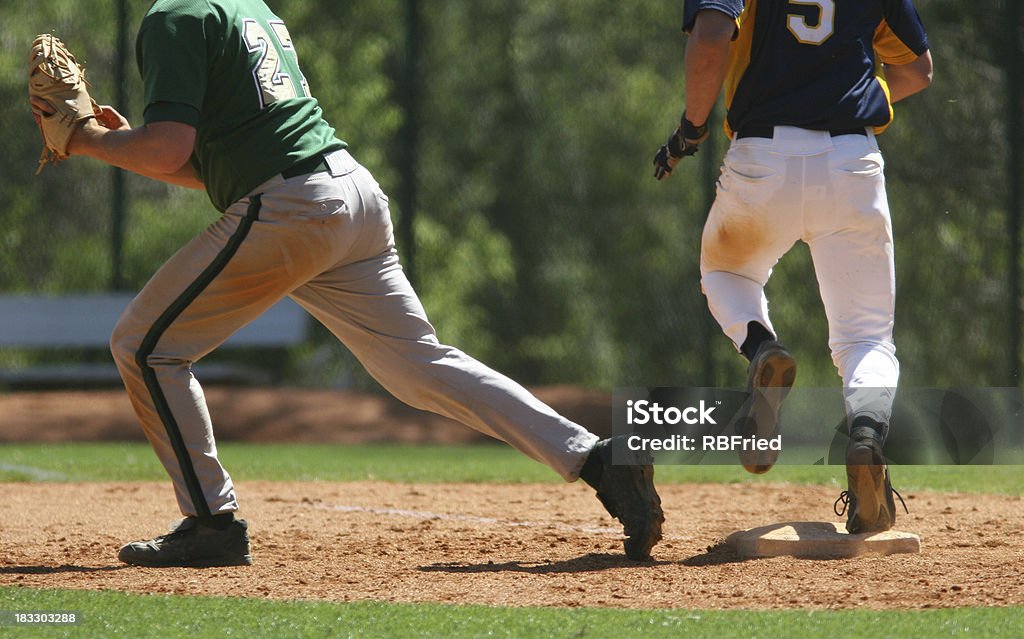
[(228, 110), (808, 84)]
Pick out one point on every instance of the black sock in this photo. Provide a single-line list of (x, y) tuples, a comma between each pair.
[(864, 427), (218, 522), (756, 335), (592, 470)]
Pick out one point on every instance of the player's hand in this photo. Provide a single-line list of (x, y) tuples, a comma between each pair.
[(108, 117), (683, 142)]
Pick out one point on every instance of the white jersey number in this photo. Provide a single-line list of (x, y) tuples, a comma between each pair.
[(272, 83), (820, 32)]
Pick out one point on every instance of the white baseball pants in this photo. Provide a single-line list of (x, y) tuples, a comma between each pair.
[(325, 240), (830, 193)]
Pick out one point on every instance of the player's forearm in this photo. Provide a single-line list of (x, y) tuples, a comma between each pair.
[(143, 150), (185, 176), (130, 149), (707, 61), (905, 80)]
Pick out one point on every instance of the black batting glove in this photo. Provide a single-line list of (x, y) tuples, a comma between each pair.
[(681, 143)]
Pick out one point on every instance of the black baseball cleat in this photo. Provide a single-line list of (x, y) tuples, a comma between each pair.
[(868, 501), (193, 543), (770, 377), (627, 492)]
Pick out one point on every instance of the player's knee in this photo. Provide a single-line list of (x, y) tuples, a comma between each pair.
[(125, 342)]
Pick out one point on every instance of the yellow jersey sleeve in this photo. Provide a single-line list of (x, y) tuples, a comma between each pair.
[(889, 48)]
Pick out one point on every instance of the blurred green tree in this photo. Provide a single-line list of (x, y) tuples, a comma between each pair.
[(544, 246)]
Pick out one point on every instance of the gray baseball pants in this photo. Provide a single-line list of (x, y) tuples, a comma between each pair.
[(325, 240)]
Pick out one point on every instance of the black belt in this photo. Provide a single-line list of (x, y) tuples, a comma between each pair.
[(769, 132), (314, 164)]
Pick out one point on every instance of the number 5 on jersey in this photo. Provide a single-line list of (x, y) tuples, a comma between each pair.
[(804, 32), (273, 82)]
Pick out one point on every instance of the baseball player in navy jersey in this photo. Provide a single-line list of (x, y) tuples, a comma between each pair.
[(808, 85), (228, 110)]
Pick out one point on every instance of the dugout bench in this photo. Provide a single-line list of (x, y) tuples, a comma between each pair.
[(56, 327)]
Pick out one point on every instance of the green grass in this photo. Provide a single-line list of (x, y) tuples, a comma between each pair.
[(434, 464), (277, 462), (110, 614)]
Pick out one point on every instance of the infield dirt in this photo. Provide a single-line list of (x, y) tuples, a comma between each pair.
[(518, 545)]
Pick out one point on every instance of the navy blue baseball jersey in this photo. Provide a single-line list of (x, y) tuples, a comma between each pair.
[(815, 64)]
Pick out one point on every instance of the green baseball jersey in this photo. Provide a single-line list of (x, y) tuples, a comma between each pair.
[(229, 68)]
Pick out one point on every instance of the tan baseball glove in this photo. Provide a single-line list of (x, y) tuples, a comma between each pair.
[(55, 77)]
